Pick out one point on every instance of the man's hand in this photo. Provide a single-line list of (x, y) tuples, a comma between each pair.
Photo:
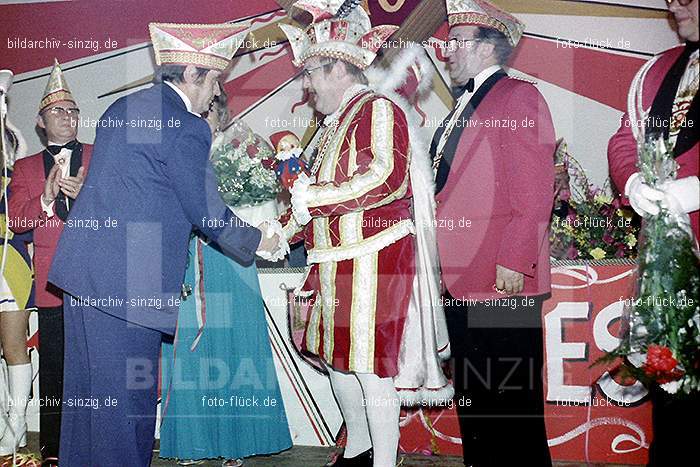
[(272, 246), (70, 186), (508, 280), (52, 185)]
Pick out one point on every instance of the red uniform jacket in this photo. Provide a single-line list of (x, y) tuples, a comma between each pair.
[(26, 214), (622, 148), (495, 206)]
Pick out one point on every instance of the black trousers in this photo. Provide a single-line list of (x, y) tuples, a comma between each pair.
[(674, 422), (497, 361), (50, 379)]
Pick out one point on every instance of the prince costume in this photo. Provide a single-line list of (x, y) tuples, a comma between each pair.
[(146, 189), (372, 284)]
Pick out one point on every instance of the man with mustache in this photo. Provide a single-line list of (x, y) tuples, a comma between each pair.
[(667, 86), (499, 181)]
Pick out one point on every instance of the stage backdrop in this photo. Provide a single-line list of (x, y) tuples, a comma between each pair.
[(583, 55)]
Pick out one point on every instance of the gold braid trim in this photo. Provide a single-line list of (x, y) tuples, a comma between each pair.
[(54, 97), (193, 58), (479, 19), (361, 62)]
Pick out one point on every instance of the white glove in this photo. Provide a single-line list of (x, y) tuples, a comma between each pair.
[(643, 198), (300, 198), (274, 227), (682, 195)]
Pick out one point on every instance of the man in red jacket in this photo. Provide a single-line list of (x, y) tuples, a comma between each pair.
[(495, 180), (43, 188), (667, 86)]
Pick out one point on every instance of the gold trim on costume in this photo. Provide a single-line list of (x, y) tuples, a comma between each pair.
[(327, 272), (369, 245), (365, 279), (193, 58), (478, 19), (321, 235), (313, 334), (381, 167)]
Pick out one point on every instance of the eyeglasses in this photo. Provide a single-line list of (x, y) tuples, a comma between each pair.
[(453, 44), (308, 71), (61, 112), (680, 2)]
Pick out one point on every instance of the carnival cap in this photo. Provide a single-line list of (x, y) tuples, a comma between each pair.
[(56, 89), (202, 45), (484, 14), (340, 29)]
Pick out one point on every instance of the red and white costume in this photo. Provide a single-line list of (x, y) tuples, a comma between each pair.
[(372, 284)]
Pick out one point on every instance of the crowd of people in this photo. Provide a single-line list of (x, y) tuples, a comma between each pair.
[(396, 300)]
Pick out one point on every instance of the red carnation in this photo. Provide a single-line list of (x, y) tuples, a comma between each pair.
[(235, 142), (252, 150), (660, 364)]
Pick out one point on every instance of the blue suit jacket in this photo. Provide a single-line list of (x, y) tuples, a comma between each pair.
[(124, 246)]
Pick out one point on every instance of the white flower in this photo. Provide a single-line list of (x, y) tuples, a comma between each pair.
[(672, 387)]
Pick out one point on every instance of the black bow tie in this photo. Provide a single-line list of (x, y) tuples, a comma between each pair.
[(55, 149), (469, 87)]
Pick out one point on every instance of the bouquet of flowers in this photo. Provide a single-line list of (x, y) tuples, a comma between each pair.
[(662, 338), (589, 222), (244, 166)]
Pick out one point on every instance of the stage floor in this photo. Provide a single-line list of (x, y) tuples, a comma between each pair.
[(307, 456)]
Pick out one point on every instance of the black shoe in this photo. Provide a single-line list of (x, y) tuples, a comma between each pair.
[(361, 460)]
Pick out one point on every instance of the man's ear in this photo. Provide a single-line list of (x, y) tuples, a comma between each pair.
[(487, 49), (40, 122), (190, 74)]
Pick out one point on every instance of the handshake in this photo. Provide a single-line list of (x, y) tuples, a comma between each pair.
[(273, 245)]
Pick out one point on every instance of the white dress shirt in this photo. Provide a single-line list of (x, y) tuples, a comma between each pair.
[(62, 159)]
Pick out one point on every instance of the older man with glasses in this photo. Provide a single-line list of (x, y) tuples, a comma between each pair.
[(43, 190), (667, 87)]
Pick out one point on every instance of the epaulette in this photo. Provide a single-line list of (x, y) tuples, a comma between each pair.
[(522, 78)]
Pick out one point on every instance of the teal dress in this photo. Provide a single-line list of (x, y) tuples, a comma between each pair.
[(220, 394)]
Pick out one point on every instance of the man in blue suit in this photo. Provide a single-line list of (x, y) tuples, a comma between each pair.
[(122, 256)]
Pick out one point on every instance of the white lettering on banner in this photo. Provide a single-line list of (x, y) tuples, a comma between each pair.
[(607, 342), (558, 351)]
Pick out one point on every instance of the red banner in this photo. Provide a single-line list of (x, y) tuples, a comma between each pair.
[(590, 416)]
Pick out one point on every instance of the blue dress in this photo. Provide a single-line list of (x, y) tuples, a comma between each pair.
[(221, 399)]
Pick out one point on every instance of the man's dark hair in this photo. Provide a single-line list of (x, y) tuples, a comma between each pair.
[(502, 48), (349, 68), (176, 74)]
